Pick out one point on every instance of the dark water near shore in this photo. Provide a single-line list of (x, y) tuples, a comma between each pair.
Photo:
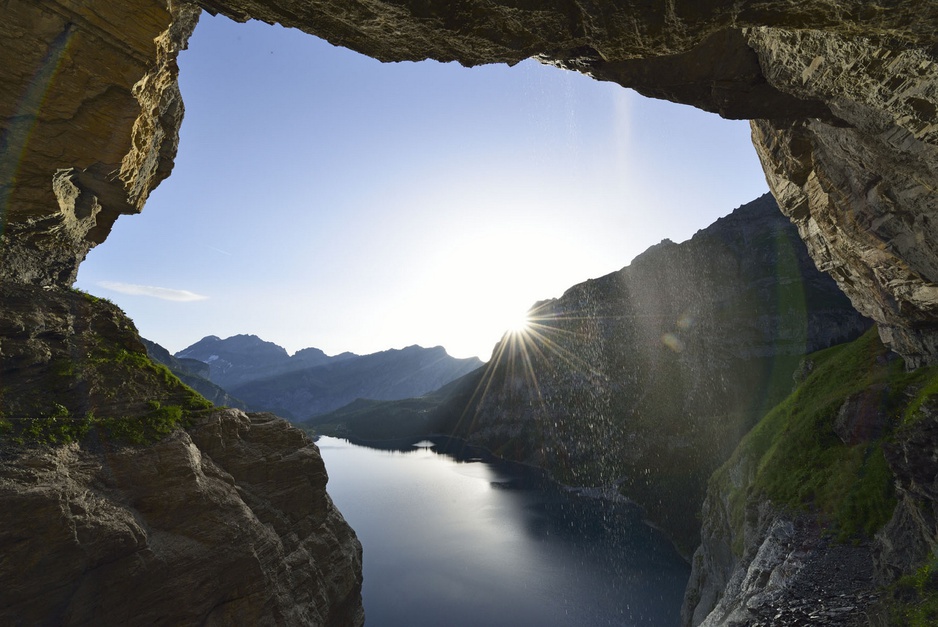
[(450, 542)]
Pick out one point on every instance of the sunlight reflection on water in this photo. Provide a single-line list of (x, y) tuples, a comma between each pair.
[(460, 543)]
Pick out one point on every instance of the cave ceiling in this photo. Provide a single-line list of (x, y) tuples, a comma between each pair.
[(842, 95)]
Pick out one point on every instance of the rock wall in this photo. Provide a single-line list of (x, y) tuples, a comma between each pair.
[(228, 523), (90, 112), (911, 534), (126, 499), (861, 190), (788, 573)]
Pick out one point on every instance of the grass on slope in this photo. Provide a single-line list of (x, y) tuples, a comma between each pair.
[(914, 598), (154, 401), (794, 458), (376, 420)]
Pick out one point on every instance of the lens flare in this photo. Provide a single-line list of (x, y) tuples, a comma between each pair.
[(542, 341), (15, 139), (520, 324)]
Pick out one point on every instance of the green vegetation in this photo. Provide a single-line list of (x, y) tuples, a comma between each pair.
[(794, 458), (377, 420), (62, 428), (84, 376), (104, 394), (150, 427), (91, 298), (54, 428), (914, 598)]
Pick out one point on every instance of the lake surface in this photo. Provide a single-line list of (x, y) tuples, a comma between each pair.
[(475, 542)]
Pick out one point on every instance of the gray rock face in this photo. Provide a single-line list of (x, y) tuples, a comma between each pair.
[(862, 417), (788, 574), (226, 524), (111, 513), (646, 379), (913, 530), (860, 190)]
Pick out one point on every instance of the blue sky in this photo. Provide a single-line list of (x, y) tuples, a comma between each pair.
[(321, 198)]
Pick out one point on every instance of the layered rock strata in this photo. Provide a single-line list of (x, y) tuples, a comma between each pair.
[(89, 123), (228, 523), (112, 513)]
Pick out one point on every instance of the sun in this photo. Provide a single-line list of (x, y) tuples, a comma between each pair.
[(519, 324)]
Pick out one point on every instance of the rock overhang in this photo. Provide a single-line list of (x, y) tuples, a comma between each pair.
[(843, 96)]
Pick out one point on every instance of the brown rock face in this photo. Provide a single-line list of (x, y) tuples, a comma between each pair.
[(845, 95), (89, 120), (226, 524), (110, 513), (862, 191)]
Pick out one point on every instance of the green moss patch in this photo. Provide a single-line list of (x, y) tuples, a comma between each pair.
[(87, 375)]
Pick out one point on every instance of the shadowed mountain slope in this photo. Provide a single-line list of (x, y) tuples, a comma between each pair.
[(646, 379)]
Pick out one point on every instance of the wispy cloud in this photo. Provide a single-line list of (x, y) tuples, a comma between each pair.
[(163, 293)]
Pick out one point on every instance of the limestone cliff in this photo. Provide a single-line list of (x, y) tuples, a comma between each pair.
[(827, 503), (126, 499), (89, 122), (228, 523)]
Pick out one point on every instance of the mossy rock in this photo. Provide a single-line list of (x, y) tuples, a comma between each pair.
[(73, 366)]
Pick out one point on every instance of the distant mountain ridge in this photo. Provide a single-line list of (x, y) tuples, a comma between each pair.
[(193, 373), (309, 383), (240, 359)]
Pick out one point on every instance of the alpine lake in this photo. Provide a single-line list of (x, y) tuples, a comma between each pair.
[(460, 538)]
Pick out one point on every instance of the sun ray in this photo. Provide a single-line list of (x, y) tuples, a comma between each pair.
[(518, 375)]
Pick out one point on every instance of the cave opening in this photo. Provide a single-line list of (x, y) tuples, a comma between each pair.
[(321, 198)]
